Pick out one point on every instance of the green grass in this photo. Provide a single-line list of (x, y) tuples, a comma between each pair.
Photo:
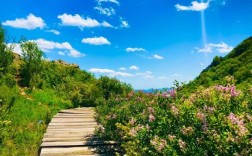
[(27, 120)]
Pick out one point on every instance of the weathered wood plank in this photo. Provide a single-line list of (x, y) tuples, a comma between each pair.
[(72, 124), (68, 151), (70, 139), (72, 120), (77, 143)]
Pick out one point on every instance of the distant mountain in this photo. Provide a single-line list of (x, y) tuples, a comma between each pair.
[(238, 63), (153, 90)]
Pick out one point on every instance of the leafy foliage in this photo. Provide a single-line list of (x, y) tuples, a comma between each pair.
[(32, 58), (212, 121), (6, 55)]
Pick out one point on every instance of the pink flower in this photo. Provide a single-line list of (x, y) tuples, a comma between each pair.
[(233, 91), (151, 118), (133, 132), (151, 110), (174, 110), (242, 130), (201, 116), (187, 130), (209, 109), (171, 137), (165, 95), (182, 144), (132, 121), (173, 93)]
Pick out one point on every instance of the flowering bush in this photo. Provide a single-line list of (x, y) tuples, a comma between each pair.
[(211, 121)]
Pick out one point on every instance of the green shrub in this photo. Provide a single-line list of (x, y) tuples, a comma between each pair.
[(213, 121)]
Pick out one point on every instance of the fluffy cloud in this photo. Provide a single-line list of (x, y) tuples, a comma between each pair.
[(96, 41), (134, 68), (211, 47), (78, 21), (109, 72), (30, 22), (134, 49), (196, 6), (163, 78), (47, 46), (61, 53), (158, 57), (122, 68), (124, 24), (145, 75), (54, 32), (105, 11), (111, 1), (176, 75)]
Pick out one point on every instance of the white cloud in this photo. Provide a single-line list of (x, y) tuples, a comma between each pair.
[(158, 57), (176, 75), (134, 68), (30, 22), (163, 78), (211, 47), (47, 46), (77, 20), (134, 49), (54, 31), (110, 72), (112, 1), (96, 41), (196, 6), (105, 11), (61, 53), (102, 71), (106, 24), (125, 24), (145, 75), (122, 68), (123, 74)]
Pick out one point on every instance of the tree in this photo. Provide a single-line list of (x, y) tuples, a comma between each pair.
[(6, 55), (32, 66), (112, 86)]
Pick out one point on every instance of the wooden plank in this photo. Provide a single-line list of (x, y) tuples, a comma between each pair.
[(70, 139), (77, 143), (69, 134), (68, 151), (72, 120), (73, 116), (76, 111), (70, 129), (72, 124)]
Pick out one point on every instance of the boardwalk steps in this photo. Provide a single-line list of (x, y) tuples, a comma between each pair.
[(71, 132)]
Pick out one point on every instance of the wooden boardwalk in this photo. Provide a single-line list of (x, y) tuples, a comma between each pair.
[(71, 132)]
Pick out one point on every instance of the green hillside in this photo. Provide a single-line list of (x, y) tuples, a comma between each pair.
[(237, 64)]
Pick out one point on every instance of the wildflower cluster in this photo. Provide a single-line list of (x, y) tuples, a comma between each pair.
[(212, 121)]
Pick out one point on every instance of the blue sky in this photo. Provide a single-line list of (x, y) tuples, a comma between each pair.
[(148, 44)]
